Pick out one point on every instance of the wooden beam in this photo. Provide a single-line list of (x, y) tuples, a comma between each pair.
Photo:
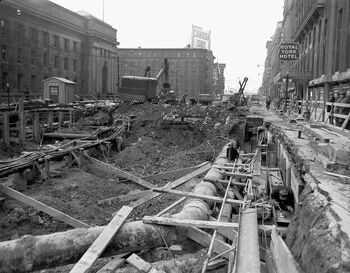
[(204, 239), (283, 258), (122, 173), (140, 264), (237, 174), (42, 207), (224, 181), (175, 184), (126, 197), (171, 206), (102, 241), (112, 265), (5, 129), (189, 223), (198, 196)]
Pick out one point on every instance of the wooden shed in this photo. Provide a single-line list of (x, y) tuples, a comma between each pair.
[(59, 90)]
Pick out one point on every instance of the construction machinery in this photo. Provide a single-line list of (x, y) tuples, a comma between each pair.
[(238, 98), (141, 89)]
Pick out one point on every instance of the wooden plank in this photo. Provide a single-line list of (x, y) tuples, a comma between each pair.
[(283, 258), (337, 175), (171, 206), (189, 223), (204, 239), (237, 174), (175, 184), (22, 127), (126, 197), (224, 181), (345, 121), (5, 129), (257, 164), (42, 207), (140, 264), (112, 265), (198, 196), (102, 241)]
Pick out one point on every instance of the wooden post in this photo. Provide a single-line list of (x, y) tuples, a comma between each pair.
[(71, 118), (6, 129), (80, 157), (36, 127), (50, 120), (22, 127), (109, 145), (47, 167), (60, 118), (288, 176)]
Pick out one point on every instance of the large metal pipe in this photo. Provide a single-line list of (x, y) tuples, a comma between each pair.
[(248, 259), (36, 252)]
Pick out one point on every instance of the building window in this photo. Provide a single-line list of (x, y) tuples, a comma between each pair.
[(56, 62), (45, 59), (101, 52), (19, 81), (45, 38), (32, 82), (20, 31), (75, 65), (32, 56), (33, 35), (3, 27), (324, 46), (338, 41), (56, 40), (65, 63), (75, 46), (4, 52), (66, 44), (19, 55)]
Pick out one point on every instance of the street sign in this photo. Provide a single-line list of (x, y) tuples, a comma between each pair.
[(289, 52)]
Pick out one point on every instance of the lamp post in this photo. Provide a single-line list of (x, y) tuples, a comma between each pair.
[(8, 94)]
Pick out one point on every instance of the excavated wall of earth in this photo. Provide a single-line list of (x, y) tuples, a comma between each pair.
[(315, 237)]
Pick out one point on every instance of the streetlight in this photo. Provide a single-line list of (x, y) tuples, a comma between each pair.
[(8, 94)]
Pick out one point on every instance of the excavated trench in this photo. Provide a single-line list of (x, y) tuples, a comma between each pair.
[(150, 149)]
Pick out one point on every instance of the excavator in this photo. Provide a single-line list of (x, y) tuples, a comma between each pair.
[(238, 98), (141, 89)]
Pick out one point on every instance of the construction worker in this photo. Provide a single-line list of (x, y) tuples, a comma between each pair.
[(232, 153), (282, 197)]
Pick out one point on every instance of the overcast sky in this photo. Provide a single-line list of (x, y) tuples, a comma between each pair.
[(239, 28)]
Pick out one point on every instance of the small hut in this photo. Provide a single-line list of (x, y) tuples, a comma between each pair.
[(59, 90)]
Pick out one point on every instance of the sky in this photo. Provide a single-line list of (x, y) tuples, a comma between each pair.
[(239, 28)]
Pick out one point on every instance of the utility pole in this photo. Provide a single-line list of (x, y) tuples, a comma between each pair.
[(286, 92)]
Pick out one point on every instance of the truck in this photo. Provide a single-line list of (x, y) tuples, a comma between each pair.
[(144, 88)]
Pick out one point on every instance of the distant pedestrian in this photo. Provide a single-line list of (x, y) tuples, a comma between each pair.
[(268, 102)]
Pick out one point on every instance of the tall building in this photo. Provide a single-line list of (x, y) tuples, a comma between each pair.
[(190, 69), (39, 39), (219, 78), (322, 30)]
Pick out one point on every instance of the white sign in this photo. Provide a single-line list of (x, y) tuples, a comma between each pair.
[(200, 38)]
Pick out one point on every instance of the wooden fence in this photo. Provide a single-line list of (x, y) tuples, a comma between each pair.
[(19, 126), (333, 114)]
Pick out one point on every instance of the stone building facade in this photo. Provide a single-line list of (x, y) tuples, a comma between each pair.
[(190, 69), (322, 30), (39, 40)]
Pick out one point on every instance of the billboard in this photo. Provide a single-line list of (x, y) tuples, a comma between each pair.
[(200, 38), (288, 52)]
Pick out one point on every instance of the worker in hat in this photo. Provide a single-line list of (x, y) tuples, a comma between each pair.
[(282, 197), (232, 153)]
